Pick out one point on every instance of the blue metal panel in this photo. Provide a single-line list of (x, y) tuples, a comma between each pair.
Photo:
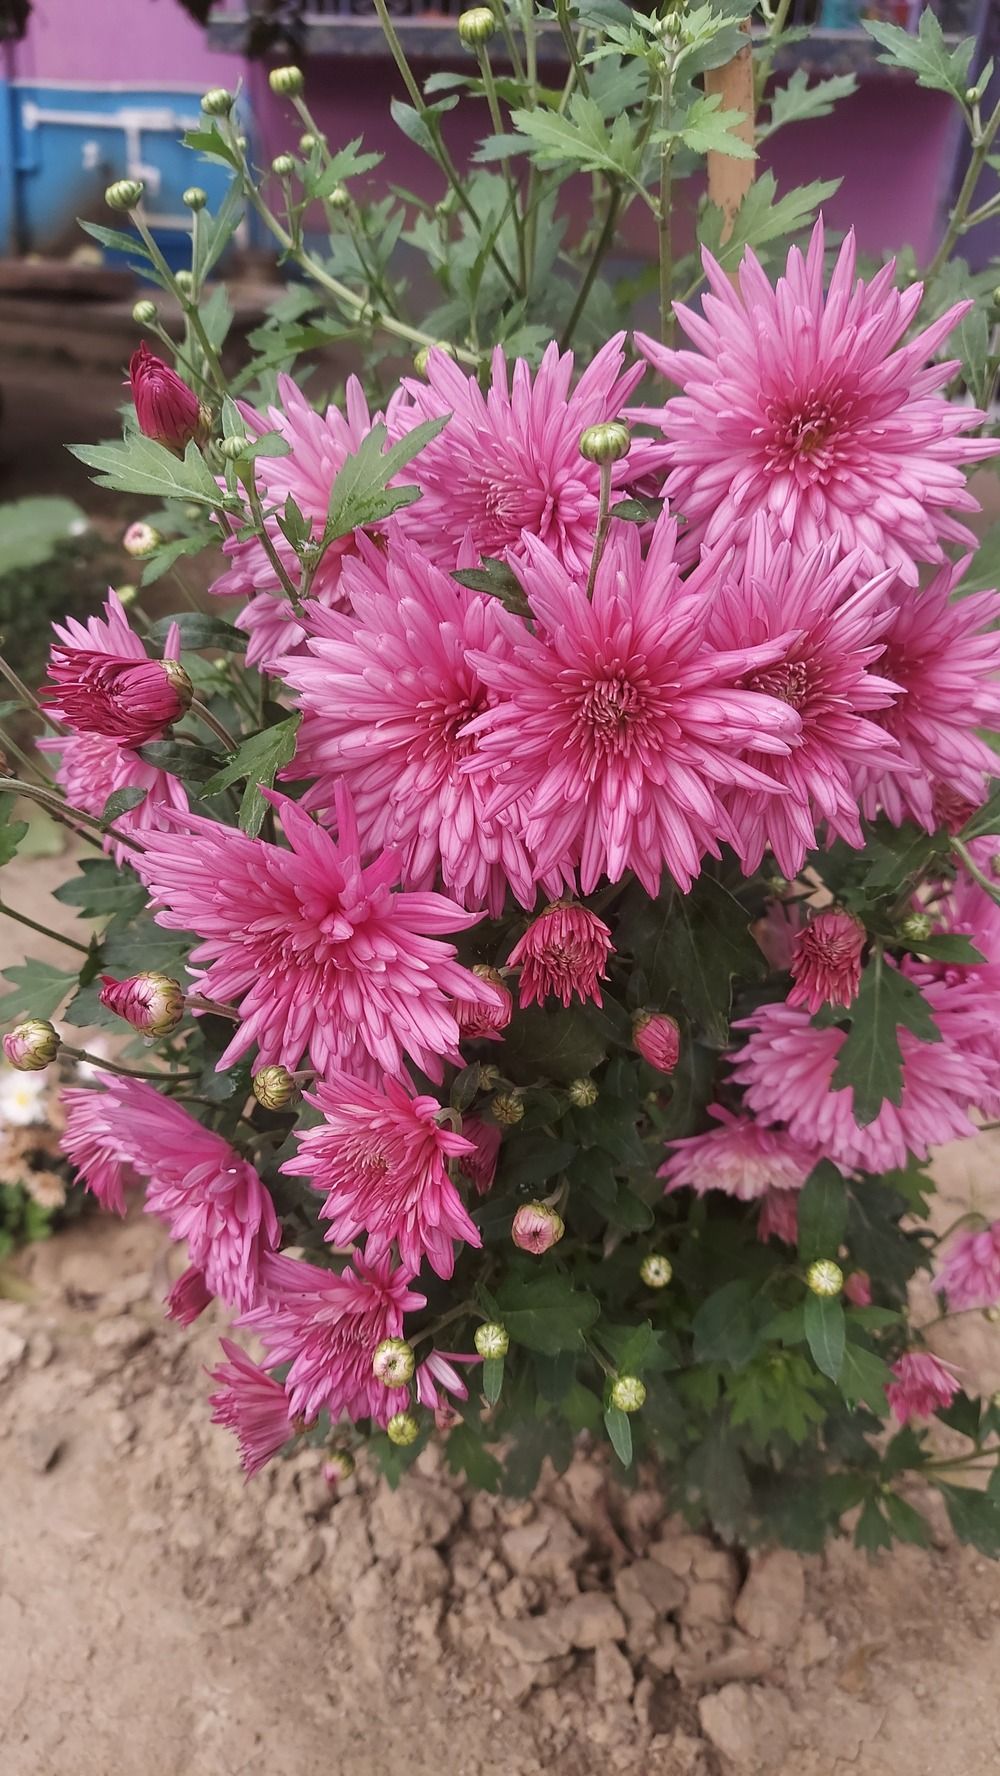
[(70, 142)]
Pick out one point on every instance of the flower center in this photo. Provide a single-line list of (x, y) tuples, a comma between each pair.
[(804, 432), (445, 722), (610, 710), (788, 680)]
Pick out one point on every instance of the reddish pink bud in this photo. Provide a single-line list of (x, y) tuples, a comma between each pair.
[(189, 1297), (922, 1383), (484, 1018), (31, 1045), (826, 961), (858, 1288), (168, 410), (480, 1166), (536, 1228), (129, 700), (657, 1039), (779, 1217), (152, 1003), (951, 810), (564, 951)]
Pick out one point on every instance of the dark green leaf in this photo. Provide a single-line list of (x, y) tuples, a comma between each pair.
[(693, 945), (824, 1328), (535, 1440), (870, 1061), (121, 801), (259, 760), (11, 834), (137, 465), (872, 1532), (199, 631), (863, 1376), (38, 990), (193, 764), (493, 1369), (532, 1158), (550, 1044), (465, 1454), (546, 1313), (361, 493), (101, 889), (723, 1327), (975, 1518), (949, 946), (907, 1524), (822, 1213), (499, 581), (925, 53), (637, 511), (619, 1428)]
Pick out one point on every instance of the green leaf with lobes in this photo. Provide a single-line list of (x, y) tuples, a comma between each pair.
[(259, 760), (38, 990), (138, 465), (869, 1060), (693, 945), (546, 1313), (361, 493)]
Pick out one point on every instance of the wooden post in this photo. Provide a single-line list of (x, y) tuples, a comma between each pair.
[(729, 179)]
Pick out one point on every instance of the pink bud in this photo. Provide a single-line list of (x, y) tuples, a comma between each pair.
[(563, 952), (128, 700), (31, 1045), (168, 411), (189, 1297), (485, 1018), (152, 1003), (480, 1166), (858, 1288), (826, 961), (536, 1228), (657, 1039), (779, 1217), (921, 1384)]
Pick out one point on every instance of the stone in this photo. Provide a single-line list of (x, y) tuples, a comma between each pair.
[(749, 1725), (12, 1349), (121, 1337), (520, 1546), (614, 1679), (707, 1601), (663, 1655), (532, 1641), (420, 1513), (771, 1603), (422, 1576), (743, 1661), (41, 1350), (677, 1552), (43, 1446), (295, 1561), (591, 1620)]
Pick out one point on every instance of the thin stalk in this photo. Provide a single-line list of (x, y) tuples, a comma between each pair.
[(974, 870), (776, 25), (28, 697), (33, 792), (982, 142), (43, 930), (189, 307), (105, 1066), (572, 48), (248, 481), (594, 262), (509, 40), (665, 211), (26, 763), (603, 523), (493, 102), (197, 1003), (214, 726)]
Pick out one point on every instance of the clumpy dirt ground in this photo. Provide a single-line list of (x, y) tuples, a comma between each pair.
[(158, 1616)]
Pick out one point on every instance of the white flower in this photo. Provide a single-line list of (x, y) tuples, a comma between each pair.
[(22, 1098)]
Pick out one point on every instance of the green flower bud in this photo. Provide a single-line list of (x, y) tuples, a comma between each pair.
[(393, 1362), (31, 1046), (194, 198), (402, 1429), (338, 1465), (274, 1088), (606, 443), (491, 1340), (184, 282), (144, 313), (339, 198), (916, 926), (656, 1270), (124, 194), (283, 166), (127, 595), (235, 447), (582, 1093), (476, 26), (217, 102), (307, 142), (507, 1109), (628, 1393), (422, 357), (286, 82), (824, 1277)]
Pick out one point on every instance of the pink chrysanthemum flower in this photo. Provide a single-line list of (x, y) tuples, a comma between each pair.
[(252, 1405), (922, 1385), (104, 682), (797, 404), (197, 1184), (382, 1157), (969, 1272), (831, 635), (91, 768), (327, 1327), (944, 654), (618, 726), (826, 961), (479, 1165), (479, 1022), (562, 955), (386, 695), (741, 1157), (508, 462), (319, 444), (189, 1297), (787, 1066), (317, 951), (437, 1372), (779, 1217), (858, 1288)]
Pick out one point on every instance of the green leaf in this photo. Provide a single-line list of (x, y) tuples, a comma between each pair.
[(121, 801), (210, 143), (925, 54), (193, 764), (166, 555), (347, 163), (619, 1428), (907, 1525), (546, 1313), (142, 944), (197, 631), (693, 945), (137, 465), (822, 1213), (101, 890), (499, 581), (532, 1158), (579, 138), (872, 1532), (415, 125), (863, 1376), (948, 946), (361, 493), (38, 990), (11, 834), (763, 217), (824, 1326), (114, 238), (31, 530), (560, 1044), (465, 1454), (982, 575), (259, 760), (493, 1368), (707, 130), (797, 101), (870, 1061), (723, 1328), (975, 1518)]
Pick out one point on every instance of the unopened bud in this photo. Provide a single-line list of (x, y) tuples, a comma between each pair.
[(657, 1038), (476, 26), (507, 1109), (151, 1003), (180, 683), (339, 1465), (31, 1046), (308, 142), (477, 1018), (124, 194), (491, 1340), (274, 1088), (217, 102), (993, 1315), (393, 1362), (184, 281), (194, 198), (606, 443), (283, 166), (286, 82), (536, 1228), (234, 447), (916, 926), (489, 1078), (140, 540), (127, 595), (422, 357), (628, 1393), (656, 1270), (144, 313), (402, 1429), (824, 1277), (582, 1093)]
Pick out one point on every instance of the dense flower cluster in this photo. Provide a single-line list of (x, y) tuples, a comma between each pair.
[(752, 672)]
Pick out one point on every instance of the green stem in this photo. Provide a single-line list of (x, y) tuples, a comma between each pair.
[(594, 262), (35, 793), (974, 870), (26, 763), (665, 220), (493, 102), (509, 40), (982, 141), (188, 306), (214, 726), (572, 50), (248, 481), (28, 697), (43, 930), (603, 524), (776, 25), (105, 1066)]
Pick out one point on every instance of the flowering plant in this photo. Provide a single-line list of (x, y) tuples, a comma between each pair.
[(565, 902)]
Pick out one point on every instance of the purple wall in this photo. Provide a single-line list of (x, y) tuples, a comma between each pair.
[(134, 42)]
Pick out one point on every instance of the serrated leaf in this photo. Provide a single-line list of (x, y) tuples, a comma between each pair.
[(907, 1524), (723, 1328), (580, 138), (822, 1213), (869, 1061), (975, 1517), (872, 1532), (193, 764), (493, 1368), (38, 990), (347, 163), (546, 1314), (164, 557), (102, 890), (11, 834), (138, 465), (361, 493), (619, 1428), (259, 760), (414, 124), (706, 129), (925, 53), (498, 580), (465, 1454), (541, 1044), (797, 101), (693, 945), (825, 1335), (763, 217), (863, 1376)]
